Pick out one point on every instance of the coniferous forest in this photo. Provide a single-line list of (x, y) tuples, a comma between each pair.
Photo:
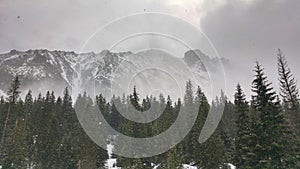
[(261, 133)]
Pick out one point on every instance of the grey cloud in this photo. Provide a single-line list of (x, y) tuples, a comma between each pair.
[(246, 32), (242, 32), (51, 24)]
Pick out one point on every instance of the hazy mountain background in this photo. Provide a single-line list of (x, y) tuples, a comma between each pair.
[(109, 72), (243, 31)]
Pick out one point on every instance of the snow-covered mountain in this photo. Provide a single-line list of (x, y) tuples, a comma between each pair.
[(42, 70)]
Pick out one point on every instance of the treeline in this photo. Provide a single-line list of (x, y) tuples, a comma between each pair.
[(44, 133), (263, 133)]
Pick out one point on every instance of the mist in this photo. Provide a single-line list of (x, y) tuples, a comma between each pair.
[(242, 31)]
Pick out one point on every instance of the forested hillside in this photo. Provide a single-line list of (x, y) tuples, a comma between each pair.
[(262, 133)]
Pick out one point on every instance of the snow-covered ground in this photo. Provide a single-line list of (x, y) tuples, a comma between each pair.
[(111, 163), (231, 166), (186, 166)]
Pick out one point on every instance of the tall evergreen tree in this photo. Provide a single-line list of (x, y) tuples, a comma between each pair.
[(227, 126), (13, 92), (3, 108), (173, 159), (188, 109), (290, 95), (19, 148), (68, 128), (87, 157), (134, 98), (10, 125), (203, 111), (212, 155), (28, 111), (269, 149), (288, 84), (243, 145)]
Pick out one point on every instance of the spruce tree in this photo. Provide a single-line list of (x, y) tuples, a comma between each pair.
[(212, 152), (68, 128), (195, 132), (227, 126), (87, 157), (3, 108), (269, 149), (289, 92), (10, 125), (19, 148), (288, 85), (173, 159), (188, 108), (44, 142), (28, 111), (134, 98), (290, 95), (243, 153)]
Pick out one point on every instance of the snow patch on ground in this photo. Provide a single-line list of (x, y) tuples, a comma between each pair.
[(186, 166), (155, 166), (231, 166), (111, 163)]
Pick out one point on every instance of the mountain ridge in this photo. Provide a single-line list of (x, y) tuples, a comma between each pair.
[(43, 69)]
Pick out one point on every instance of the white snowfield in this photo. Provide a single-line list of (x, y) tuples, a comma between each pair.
[(111, 163)]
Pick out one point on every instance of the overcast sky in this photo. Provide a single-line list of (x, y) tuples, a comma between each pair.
[(241, 30)]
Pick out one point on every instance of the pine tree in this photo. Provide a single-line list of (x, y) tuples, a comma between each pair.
[(134, 98), (137, 164), (44, 139), (60, 132), (68, 128), (270, 149), (13, 92), (113, 116), (243, 153), (3, 108), (188, 109), (227, 126), (19, 148), (195, 132), (288, 84), (290, 96), (127, 127), (173, 159), (10, 125), (34, 130), (28, 111), (213, 149), (87, 157), (212, 152)]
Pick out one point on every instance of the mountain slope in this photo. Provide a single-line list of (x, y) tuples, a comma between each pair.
[(42, 70)]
